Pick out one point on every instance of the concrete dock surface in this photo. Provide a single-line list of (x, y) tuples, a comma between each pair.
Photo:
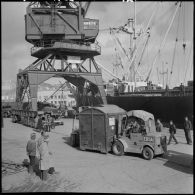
[(87, 171)]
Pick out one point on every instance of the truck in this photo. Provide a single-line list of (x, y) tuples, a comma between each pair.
[(7, 111), (27, 117)]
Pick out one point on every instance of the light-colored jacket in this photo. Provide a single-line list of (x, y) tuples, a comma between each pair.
[(43, 149)]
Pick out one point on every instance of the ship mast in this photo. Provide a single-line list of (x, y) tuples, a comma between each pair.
[(132, 47), (134, 38)]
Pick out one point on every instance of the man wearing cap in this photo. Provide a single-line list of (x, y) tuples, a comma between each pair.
[(31, 152)]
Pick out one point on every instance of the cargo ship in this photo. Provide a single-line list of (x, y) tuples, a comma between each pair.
[(166, 104)]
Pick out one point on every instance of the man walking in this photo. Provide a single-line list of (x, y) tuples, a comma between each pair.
[(159, 126), (172, 131), (31, 152), (187, 128)]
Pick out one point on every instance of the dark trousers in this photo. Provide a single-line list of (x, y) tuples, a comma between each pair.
[(49, 128), (32, 164), (172, 136), (43, 175), (188, 136)]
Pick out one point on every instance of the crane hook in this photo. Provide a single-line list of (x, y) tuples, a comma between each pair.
[(184, 45)]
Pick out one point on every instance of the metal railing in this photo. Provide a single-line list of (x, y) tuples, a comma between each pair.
[(62, 44)]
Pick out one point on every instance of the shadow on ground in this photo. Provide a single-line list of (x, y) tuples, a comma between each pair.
[(132, 155), (179, 161), (67, 140), (179, 167)]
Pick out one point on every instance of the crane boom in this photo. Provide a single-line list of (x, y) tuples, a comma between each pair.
[(86, 7), (143, 51)]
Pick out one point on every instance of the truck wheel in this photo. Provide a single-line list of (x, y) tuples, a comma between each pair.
[(118, 148), (148, 153)]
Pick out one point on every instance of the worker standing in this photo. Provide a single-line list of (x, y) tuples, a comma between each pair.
[(43, 149), (36, 121), (172, 131), (44, 123), (52, 122), (39, 123), (159, 126), (49, 121), (187, 128), (31, 152)]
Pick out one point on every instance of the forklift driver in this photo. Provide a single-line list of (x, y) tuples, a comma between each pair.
[(132, 127), (128, 130), (136, 127)]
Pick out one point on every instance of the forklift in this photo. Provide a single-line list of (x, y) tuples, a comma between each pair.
[(139, 136), (109, 128)]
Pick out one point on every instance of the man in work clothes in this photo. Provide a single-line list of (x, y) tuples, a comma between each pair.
[(39, 123), (159, 126), (44, 154), (49, 120), (187, 128), (31, 152), (36, 121), (172, 131)]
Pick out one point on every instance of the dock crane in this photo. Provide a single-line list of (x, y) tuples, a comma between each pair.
[(60, 32)]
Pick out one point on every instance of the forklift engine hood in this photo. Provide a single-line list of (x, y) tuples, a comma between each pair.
[(155, 134)]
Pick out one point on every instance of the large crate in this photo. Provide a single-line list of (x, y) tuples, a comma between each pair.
[(99, 126)]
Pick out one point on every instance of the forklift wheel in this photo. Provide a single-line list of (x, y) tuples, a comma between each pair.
[(118, 148), (148, 153)]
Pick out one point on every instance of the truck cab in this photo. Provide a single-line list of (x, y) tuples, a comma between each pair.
[(138, 135)]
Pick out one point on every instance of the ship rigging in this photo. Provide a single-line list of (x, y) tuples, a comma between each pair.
[(143, 55)]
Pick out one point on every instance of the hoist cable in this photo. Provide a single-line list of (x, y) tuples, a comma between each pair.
[(184, 25), (55, 92), (174, 51), (162, 43), (187, 63), (191, 71), (142, 53)]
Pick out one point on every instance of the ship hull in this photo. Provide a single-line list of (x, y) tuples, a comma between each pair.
[(164, 107)]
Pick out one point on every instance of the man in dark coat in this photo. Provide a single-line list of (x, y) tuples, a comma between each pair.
[(172, 131), (31, 152), (187, 128), (39, 123), (159, 126)]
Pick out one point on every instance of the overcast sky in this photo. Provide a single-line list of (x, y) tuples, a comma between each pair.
[(16, 51)]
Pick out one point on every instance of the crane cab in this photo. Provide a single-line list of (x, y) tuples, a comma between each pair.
[(47, 22)]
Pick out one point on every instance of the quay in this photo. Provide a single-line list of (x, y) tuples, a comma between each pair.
[(79, 171)]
